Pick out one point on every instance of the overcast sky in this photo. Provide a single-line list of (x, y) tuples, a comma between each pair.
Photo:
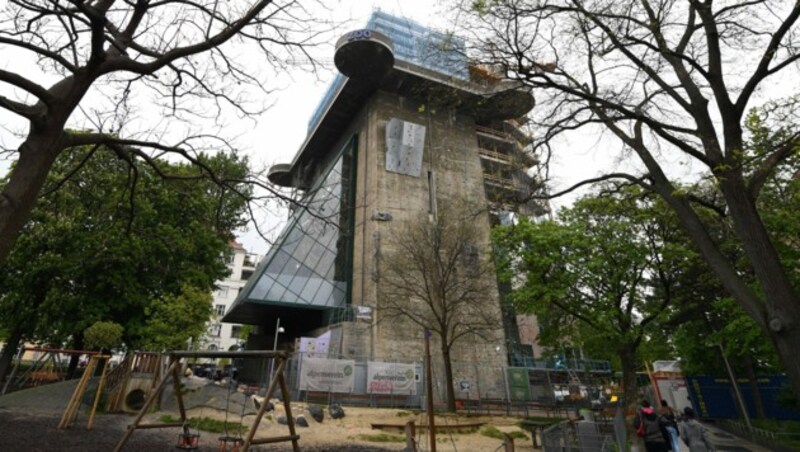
[(275, 136)]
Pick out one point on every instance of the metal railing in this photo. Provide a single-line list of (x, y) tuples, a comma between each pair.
[(772, 440), (581, 436)]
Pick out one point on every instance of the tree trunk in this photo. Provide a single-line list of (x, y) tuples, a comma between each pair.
[(10, 349), (448, 378), (782, 302), (787, 343), (747, 361), (36, 157), (630, 394), (77, 344)]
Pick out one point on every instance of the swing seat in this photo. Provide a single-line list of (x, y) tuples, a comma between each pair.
[(188, 441), (230, 443)]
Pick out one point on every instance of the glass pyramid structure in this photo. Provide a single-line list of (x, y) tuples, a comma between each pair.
[(309, 265)]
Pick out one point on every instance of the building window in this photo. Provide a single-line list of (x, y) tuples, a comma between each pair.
[(215, 330), (236, 331), (246, 274), (219, 309), (222, 292)]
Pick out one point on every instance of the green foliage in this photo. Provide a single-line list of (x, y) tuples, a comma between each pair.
[(207, 424), (113, 240), (493, 432), (174, 319), (103, 335), (245, 331), (601, 277)]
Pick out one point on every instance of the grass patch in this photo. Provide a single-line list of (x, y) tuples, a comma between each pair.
[(382, 438), (493, 432), (207, 424)]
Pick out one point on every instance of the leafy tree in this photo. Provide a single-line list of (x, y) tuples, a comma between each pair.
[(601, 276), (666, 80), (99, 61), (89, 254), (174, 319), (103, 335), (438, 279)]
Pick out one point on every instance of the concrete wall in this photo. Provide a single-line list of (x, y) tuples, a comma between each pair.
[(451, 152)]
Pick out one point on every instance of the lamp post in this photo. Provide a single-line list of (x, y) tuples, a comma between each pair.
[(278, 329)]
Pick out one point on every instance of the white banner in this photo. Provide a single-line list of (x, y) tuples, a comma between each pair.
[(316, 347), (391, 378), (322, 374)]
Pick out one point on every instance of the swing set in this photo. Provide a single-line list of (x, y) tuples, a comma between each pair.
[(190, 441)]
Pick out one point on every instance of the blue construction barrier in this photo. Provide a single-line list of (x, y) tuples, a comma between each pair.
[(714, 397)]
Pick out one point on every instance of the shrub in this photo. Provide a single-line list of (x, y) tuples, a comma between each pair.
[(103, 335)]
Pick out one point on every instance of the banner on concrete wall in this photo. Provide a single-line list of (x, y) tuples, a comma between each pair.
[(391, 378), (323, 374), (316, 347)]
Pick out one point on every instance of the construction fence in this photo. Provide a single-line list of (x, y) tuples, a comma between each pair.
[(401, 384)]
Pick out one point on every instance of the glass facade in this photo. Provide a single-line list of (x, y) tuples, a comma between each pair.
[(310, 263), (440, 52)]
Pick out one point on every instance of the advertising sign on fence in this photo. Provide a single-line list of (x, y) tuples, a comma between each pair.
[(390, 378), (323, 374)]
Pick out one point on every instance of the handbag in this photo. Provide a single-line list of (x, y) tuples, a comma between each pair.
[(641, 430)]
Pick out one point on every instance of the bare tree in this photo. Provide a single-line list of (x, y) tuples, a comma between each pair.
[(671, 81), (185, 60), (438, 277)]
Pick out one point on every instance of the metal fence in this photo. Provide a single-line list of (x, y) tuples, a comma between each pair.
[(580, 436), (772, 440), (479, 389)]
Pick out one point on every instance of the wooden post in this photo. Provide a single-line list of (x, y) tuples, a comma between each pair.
[(147, 404), (287, 404), (508, 442), (411, 445), (75, 400), (429, 389), (262, 410), (99, 392)]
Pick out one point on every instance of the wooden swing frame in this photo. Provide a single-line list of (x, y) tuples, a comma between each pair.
[(173, 372)]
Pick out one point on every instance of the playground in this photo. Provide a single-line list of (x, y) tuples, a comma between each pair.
[(29, 421)]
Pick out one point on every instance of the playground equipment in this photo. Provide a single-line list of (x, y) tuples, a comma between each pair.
[(71, 412), (173, 372)]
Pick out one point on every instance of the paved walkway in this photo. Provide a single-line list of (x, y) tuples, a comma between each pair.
[(726, 442)]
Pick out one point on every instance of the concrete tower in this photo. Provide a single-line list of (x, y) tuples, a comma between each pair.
[(407, 124)]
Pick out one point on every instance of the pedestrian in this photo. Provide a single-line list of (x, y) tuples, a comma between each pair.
[(649, 426), (670, 425), (694, 434)]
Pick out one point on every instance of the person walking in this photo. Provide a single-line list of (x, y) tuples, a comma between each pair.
[(694, 434), (670, 425), (650, 427)]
